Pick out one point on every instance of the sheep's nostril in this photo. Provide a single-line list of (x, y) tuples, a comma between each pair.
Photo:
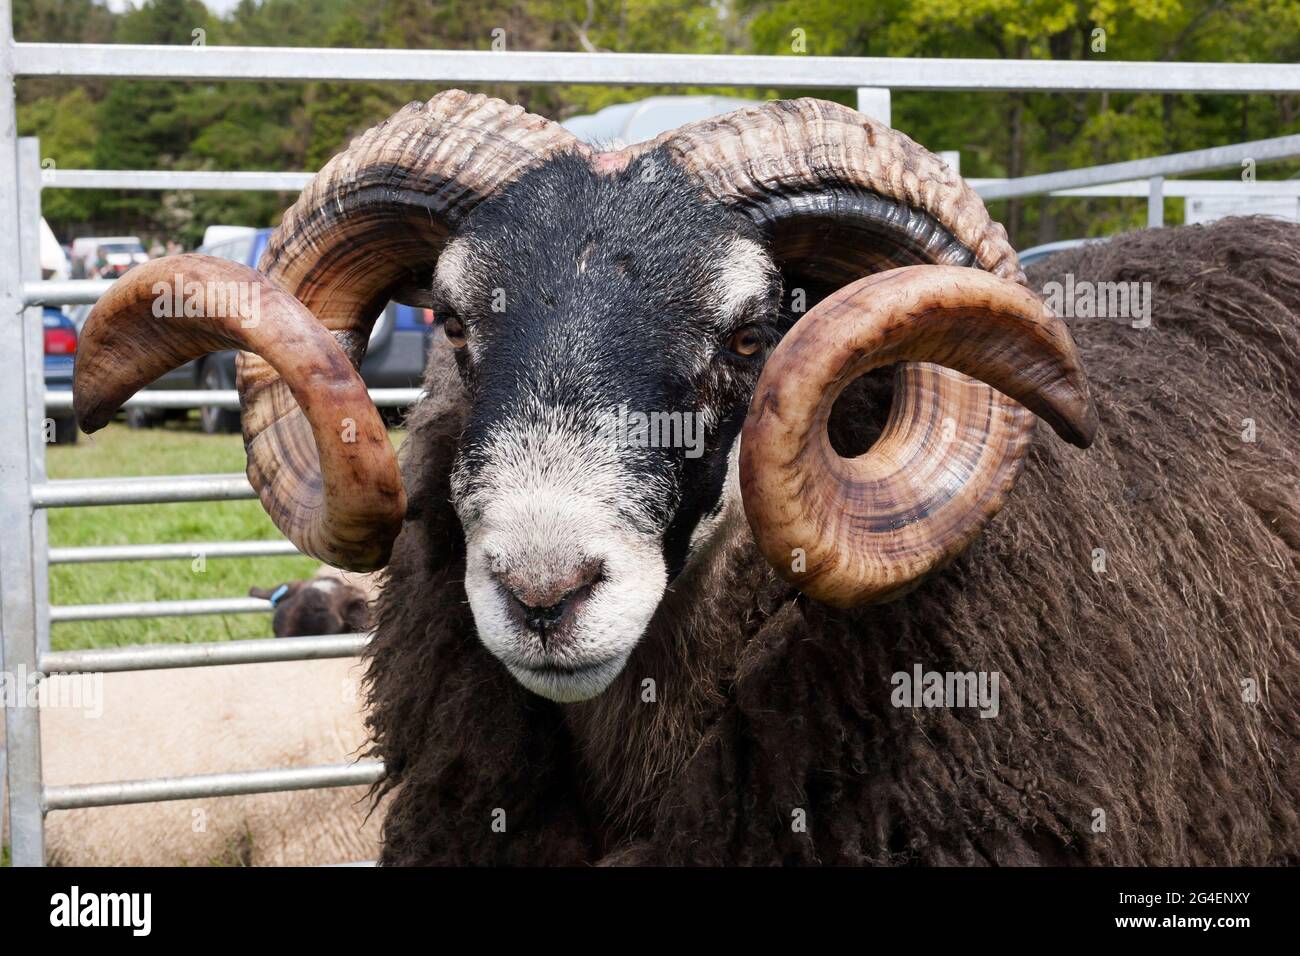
[(542, 619), (544, 604)]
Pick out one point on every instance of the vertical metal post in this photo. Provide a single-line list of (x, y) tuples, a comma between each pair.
[(30, 183), (875, 102), (17, 543), (1156, 203)]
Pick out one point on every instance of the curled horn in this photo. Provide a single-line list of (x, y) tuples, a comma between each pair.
[(130, 341), (839, 197), (369, 225), (870, 527)]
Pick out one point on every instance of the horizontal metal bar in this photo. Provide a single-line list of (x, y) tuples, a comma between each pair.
[(170, 179), (1194, 188), (765, 72), (173, 179), (61, 401), (65, 291), (361, 773), (93, 554), (1259, 189), (225, 398), (167, 489), (149, 657), (1175, 164), (122, 610)]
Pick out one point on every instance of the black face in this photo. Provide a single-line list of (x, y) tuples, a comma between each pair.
[(611, 328), (316, 606)]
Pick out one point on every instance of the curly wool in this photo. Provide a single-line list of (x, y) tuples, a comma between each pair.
[(1126, 732)]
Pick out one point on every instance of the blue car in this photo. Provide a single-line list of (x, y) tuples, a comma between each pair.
[(399, 345), (60, 350), (1051, 248)]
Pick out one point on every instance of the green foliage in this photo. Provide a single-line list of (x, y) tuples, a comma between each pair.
[(290, 126), (66, 126), (1017, 134)]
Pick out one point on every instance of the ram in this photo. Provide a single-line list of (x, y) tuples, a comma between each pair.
[(593, 649)]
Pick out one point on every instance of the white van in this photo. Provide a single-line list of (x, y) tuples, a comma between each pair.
[(106, 257), (54, 261)]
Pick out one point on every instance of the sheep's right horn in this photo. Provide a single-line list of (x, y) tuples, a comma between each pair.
[(170, 311), (370, 225), (854, 531), (372, 222)]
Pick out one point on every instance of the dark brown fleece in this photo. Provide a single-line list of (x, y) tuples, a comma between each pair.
[(1121, 692)]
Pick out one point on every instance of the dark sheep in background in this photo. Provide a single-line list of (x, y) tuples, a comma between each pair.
[(331, 602)]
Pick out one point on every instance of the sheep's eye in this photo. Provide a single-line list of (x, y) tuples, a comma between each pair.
[(746, 341), (454, 329)]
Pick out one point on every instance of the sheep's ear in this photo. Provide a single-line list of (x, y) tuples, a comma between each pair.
[(263, 593)]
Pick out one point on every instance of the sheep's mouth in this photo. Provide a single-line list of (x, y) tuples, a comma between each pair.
[(569, 641), (567, 683), (571, 671), (561, 670)]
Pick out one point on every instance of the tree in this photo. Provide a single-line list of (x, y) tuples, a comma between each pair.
[(289, 126)]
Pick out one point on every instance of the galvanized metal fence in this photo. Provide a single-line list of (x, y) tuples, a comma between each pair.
[(26, 493)]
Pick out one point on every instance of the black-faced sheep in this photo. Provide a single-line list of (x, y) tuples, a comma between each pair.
[(601, 645), (330, 602)]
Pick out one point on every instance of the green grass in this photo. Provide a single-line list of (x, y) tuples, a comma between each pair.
[(177, 449)]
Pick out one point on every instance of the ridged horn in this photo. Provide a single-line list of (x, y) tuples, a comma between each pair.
[(840, 196), (170, 311), (371, 223), (374, 220), (853, 531)]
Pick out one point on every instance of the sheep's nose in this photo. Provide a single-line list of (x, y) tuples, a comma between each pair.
[(545, 603)]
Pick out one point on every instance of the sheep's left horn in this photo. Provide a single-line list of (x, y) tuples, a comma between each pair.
[(853, 531), (165, 313)]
